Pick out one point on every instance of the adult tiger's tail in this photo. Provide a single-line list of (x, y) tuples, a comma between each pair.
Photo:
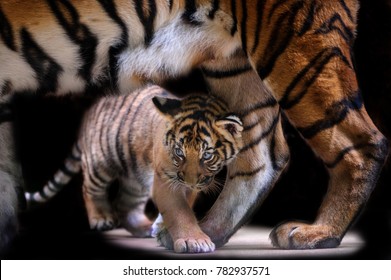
[(71, 167)]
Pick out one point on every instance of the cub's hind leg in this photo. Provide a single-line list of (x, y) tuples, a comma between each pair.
[(99, 210), (130, 205)]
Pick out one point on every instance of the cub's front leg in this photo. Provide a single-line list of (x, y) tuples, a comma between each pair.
[(179, 219)]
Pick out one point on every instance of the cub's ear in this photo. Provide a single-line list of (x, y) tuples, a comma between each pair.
[(167, 106), (231, 123)]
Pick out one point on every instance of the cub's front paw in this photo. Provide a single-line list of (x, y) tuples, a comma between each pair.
[(297, 235), (190, 245), (138, 225)]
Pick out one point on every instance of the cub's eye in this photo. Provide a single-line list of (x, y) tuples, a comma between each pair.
[(178, 152), (207, 156)]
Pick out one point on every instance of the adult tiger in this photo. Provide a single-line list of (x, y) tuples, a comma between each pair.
[(299, 49)]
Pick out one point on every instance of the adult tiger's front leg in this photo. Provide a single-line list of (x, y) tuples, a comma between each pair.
[(252, 175), (311, 73)]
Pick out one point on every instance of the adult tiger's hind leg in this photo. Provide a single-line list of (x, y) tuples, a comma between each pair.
[(315, 83), (11, 182)]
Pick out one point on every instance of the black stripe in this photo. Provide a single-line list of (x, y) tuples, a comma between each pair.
[(147, 20), (194, 114), (251, 126), (215, 8), (94, 176), (185, 128), (203, 130), (43, 194), (234, 27), (279, 41), (268, 103), (70, 173), (6, 32), (260, 107), (274, 8), (79, 34), (347, 150), (119, 145), (221, 74), (57, 186), (133, 155), (243, 26), (346, 8), (170, 2), (258, 26), (265, 134), (317, 64), (46, 68), (190, 10), (90, 157), (309, 19), (111, 10), (110, 115), (169, 135), (206, 100), (74, 157), (218, 144), (119, 148), (221, 148), (335, 114), (248, 173), (166, 174), (329, 26), (197, 115), (231, 148)]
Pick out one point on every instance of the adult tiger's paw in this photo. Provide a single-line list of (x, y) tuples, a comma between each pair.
[(297, 235), (190, 245)]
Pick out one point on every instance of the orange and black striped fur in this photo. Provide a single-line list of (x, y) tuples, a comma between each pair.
[(298, 50), (147, 138)]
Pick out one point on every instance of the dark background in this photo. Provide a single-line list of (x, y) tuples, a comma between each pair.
[(59, 229)]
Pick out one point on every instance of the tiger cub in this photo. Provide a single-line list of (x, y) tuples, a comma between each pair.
[(147, 139)]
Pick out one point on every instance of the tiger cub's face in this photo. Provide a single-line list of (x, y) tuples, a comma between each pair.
[(200, 138)]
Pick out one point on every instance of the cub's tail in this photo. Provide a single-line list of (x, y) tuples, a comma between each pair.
[(61, 178)]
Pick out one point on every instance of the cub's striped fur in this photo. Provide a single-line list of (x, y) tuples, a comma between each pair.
[(298, 50), (178, 146)]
